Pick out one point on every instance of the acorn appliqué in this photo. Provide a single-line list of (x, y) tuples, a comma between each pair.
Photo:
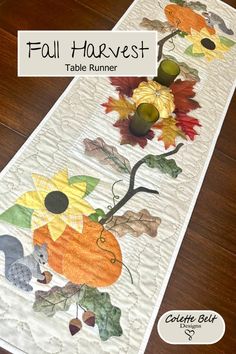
[(75, 326), (89, 318), (47, 278)]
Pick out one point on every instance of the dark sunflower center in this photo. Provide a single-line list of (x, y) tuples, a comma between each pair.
[(56, 202), (208, 44)]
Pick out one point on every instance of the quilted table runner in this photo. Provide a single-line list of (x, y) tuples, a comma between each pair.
[(92, 215)]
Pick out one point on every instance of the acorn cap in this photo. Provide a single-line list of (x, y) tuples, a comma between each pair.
[(89, 318), (75, 326)]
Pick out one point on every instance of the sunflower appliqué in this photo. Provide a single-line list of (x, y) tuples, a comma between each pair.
[(193, 21), (78, 247), (207, 45), (57, 203)]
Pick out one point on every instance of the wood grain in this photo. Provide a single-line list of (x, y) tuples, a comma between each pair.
[(203, 276), (110, 9), (23, 101), (10, 143), (50, 15)]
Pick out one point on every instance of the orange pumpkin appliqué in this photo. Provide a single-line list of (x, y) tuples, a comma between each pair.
[(82, 257), (186, 19)]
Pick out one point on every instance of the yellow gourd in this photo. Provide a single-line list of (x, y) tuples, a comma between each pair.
[(160, 96)]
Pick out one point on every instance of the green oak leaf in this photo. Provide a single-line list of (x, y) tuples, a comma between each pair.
[(107, 316), (164, 165), (18, 215), (196, 5), (179, 2), (58, 298), (189, 51), (91, 182), (226, 41)]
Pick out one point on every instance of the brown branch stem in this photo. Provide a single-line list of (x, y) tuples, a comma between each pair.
[(162, 42), (131, 190)]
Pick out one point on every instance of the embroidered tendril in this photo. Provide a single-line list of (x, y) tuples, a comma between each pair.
[(159, 4), (172, 42), (113, 260), (114, 198)]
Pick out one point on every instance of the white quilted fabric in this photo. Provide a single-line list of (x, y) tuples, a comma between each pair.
[(58, 143)]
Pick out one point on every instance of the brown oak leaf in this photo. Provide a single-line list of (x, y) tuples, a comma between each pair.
[(107, 154), (134, 224), (123, 106), (126, 85), (128, 138), (170, 131), (156, 25), (183, 94)]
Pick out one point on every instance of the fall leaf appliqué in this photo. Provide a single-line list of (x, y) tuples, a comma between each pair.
[(183, 94), (126, 85), (187, 124), (170, 131), (122, 106), (128, 138)]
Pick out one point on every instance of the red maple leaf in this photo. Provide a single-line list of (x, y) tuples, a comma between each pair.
[(126, 85), (183, 94), (128, 138), (187, 124)]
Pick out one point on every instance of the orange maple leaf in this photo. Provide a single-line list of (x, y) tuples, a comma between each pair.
[(123, 106), (169, 131)]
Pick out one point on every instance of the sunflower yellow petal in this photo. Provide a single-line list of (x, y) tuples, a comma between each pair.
[(80, 207), (75, 191), (43, 183), (222, 47), (196, 35), (40, 218), (190, 38), (197, 48), (75, 221), (209, 57), (60, 179), (204, 33), (56, 227), (32, 200), (194, 32)]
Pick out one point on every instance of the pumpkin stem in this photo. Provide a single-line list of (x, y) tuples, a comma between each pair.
[(131, 190), (162, 42)]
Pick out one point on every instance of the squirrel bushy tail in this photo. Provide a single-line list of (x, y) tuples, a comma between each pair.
[(225, 29), (12, 249)]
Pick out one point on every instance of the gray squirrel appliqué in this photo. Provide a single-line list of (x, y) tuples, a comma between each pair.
[(20, 269), (213, 19)]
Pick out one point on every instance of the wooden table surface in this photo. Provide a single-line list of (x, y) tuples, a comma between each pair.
[(203, 276)]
